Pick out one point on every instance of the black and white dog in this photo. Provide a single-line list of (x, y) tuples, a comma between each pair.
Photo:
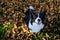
[(34, 21)]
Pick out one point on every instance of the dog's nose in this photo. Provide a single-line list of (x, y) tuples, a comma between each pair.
[(38, 19)]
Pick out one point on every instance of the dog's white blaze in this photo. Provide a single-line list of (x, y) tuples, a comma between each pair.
[(35, 27), (38, 15)]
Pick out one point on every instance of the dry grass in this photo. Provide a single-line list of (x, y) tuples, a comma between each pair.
[(12, 12)]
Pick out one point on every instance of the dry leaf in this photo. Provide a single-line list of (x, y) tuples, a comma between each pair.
[(24, 28)]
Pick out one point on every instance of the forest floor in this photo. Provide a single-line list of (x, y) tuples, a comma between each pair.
[(12, 14)]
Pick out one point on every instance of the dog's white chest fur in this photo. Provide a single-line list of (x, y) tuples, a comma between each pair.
[(35, 27)]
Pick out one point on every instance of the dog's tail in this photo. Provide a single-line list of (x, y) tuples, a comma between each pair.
[(31, 7)]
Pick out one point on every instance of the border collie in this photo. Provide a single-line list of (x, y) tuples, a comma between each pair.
[(34, 21)]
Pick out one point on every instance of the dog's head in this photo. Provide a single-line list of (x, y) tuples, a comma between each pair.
[(34, 17)]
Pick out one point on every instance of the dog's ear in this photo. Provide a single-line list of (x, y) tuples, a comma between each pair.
[(42, 14), (29, 11)]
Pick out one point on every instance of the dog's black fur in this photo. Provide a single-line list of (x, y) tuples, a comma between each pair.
[(29, 15)]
